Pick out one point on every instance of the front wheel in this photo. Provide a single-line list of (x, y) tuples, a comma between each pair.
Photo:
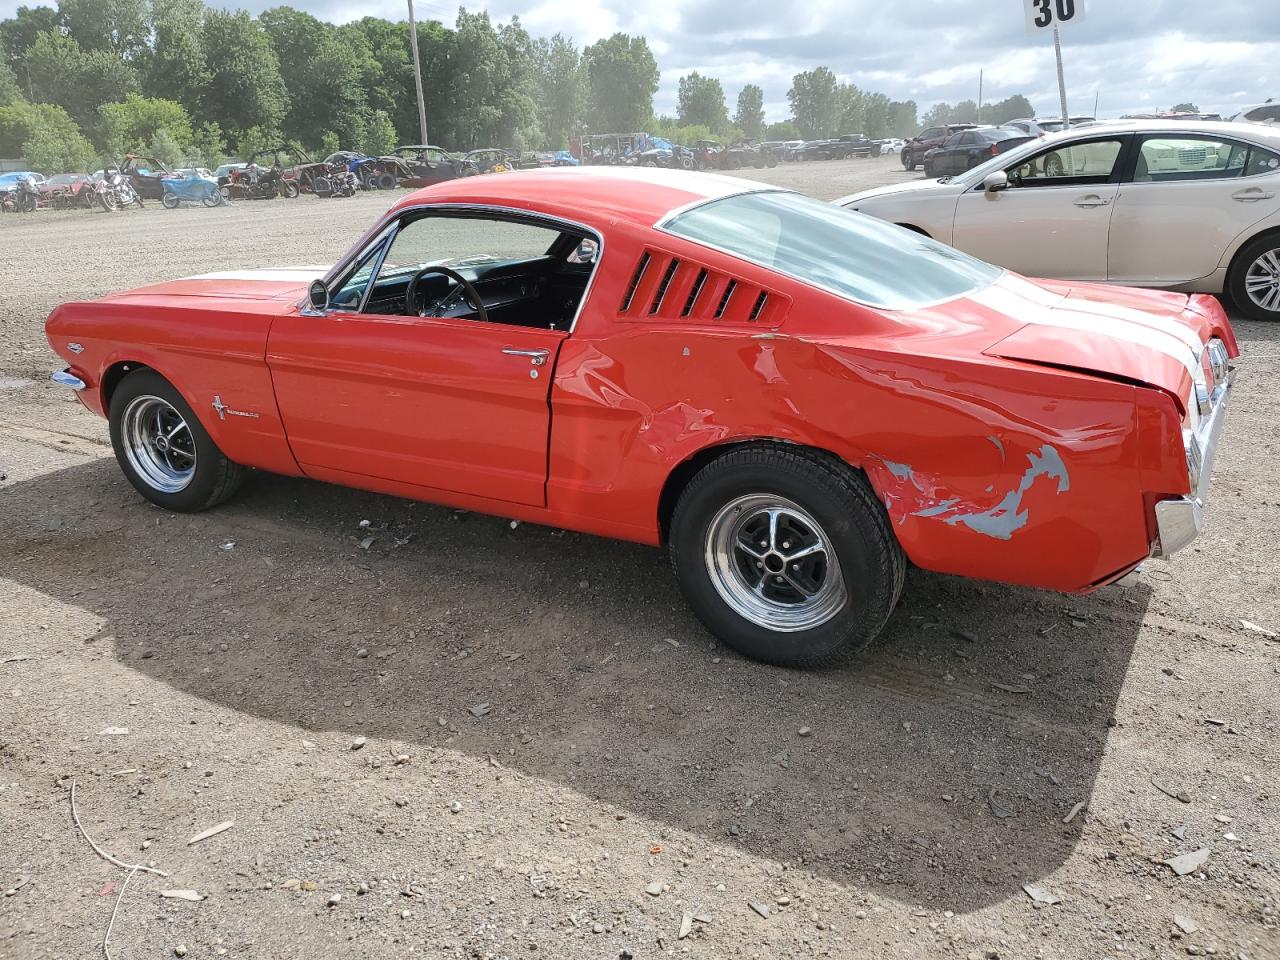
[(1254, 281), (162, 448), (786, 555), (288, 189), (170, 201)]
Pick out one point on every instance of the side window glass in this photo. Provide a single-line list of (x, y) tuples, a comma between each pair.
[(1162, 159), (349, 295), (1262, 161), (1079, 163)]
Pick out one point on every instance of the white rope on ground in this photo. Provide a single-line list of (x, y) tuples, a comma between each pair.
[(98, 850), (106, 940), (133, 869)]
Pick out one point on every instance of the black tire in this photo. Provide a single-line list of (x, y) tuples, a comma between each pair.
[(851, 518), (289, 189), (170, 201), (1053, 166), (321, 187), (908, 161), (215, 478), (1253, 255), (386, 181)]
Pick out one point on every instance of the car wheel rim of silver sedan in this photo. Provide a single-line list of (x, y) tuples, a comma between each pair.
[(1262, 282), (158, 444), (773, 565)]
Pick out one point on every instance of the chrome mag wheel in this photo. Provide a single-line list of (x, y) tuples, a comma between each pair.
[(158, 444), (773, 565), (1262, 281)]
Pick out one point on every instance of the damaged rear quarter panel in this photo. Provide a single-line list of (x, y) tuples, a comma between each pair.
[(986, 469)]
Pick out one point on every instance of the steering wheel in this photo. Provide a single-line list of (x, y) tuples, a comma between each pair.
[(469, 291)]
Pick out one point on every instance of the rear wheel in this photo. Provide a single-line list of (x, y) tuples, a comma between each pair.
[(386, 181), (1254, 281), (908, 160), (162, 448), (170, 201), (786, 555), (288, 189), (321, 187)]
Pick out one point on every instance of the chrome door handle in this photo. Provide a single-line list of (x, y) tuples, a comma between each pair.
[(536, 357), (1092, 201), (1252, 196)]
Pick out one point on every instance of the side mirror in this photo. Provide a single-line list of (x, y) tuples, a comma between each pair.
[(318, 296), (995, 182)]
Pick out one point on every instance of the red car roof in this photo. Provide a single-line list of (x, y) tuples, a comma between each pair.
[(591, 195)]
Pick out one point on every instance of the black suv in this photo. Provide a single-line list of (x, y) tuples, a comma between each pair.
[(915, 149)]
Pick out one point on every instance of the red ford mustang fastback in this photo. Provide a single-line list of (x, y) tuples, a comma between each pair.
[(794, 398)]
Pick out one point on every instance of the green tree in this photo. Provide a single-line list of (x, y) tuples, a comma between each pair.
[(622, 77), (321, 74), (750, 114), (1016, 107), (177, 68), (61, 72), (46, 136), (785, 130), (245, 90), (852, 109), (18, 34), (166, 149), (939, 113), (118, 27), (815, 103), (207, 148), (1185, 108), (903, 120), (137, 120), (701, 101), (10, 92), (561, 89), (380, 138), (329, 144), (877, 111)]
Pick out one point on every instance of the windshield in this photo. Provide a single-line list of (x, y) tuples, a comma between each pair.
[(1000, 161), (845, 253)]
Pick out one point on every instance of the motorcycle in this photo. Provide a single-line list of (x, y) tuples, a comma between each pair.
[(114, 191), (191, 189), (338, 182), (25, 196), (268, 184)]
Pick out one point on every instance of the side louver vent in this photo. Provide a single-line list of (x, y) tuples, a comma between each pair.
[(636, 277), (670, 288)]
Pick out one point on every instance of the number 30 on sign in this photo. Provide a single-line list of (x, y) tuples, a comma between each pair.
[(1044, 15)]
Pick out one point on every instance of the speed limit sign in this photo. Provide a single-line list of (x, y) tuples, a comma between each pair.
[(1044, 15)]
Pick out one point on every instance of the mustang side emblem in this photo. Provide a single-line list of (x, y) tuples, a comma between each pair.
[(222, 409)]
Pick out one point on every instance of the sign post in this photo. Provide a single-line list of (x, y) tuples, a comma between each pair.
[(1054, 15)]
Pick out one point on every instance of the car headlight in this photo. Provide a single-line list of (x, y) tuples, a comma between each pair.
[(1195, 458)]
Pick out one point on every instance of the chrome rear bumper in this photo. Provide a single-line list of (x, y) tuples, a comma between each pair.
[(1179, 521)]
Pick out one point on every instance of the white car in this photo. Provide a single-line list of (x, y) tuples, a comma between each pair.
[(893, 145), (1268, 112), (1154, 203)]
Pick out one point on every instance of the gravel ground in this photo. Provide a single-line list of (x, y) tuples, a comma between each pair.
[(473, 741)]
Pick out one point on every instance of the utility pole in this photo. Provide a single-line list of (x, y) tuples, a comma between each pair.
[(1062, 84), (417, 73), (979, 97)]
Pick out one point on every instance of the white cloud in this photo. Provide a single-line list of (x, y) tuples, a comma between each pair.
[(1135, 56)]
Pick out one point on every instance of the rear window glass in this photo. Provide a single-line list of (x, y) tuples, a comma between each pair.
[(845, 253)]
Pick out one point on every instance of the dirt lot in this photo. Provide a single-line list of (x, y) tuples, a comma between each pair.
[(629, 771)]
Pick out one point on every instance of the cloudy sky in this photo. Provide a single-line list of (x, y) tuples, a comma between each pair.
[(1137, 56)]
